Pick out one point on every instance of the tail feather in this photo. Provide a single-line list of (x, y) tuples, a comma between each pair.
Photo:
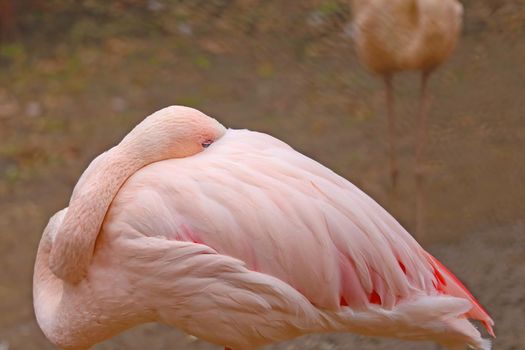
[(451, 285), (470, 336), (439, 318)]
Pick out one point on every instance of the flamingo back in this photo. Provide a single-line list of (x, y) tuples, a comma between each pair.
[(254, 198)]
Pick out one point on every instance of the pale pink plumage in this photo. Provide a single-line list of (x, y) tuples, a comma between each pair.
[(246, 243)]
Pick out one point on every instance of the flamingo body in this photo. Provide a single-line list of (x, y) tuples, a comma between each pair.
[(397, 35), (246, 243)]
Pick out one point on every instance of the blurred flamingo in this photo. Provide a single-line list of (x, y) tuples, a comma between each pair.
[(236, 238), (397, 35)]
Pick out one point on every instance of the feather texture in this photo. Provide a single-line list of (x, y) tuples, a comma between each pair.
[(242, 243), (255, 199)]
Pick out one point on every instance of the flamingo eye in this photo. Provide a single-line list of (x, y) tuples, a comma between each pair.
[(207, 143)]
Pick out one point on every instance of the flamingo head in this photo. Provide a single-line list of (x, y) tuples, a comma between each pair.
[(173, 132)]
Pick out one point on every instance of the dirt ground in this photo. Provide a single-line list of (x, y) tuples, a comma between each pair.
[(79, 78)]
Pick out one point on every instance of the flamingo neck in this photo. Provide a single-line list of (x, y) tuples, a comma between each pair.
[(63, 311), (75, 242), (79, 316)]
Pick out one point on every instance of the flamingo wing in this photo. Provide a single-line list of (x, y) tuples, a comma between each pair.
[(242, 309), (252, 198)]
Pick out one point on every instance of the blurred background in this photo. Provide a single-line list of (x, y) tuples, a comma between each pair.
[(76, 76)]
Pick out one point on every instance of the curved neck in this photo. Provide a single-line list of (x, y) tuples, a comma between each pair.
[(172, 132), (79, 316), (75, 241), (66, 313)]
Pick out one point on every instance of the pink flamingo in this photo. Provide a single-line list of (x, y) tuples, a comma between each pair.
[(398, 35), (236, 238)]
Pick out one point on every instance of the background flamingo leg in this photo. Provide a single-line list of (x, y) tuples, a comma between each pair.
[(394, 170), (420, 153)]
